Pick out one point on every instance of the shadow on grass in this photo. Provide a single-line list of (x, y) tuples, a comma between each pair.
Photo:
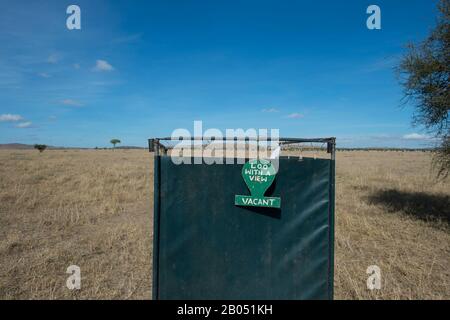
[(421, 205)]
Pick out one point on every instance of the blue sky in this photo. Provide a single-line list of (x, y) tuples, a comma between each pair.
[(140, 69)]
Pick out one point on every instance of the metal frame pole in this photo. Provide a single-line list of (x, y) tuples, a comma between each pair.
[(156, 211)]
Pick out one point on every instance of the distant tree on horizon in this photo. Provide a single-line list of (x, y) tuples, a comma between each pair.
[(40, 147), (424, 73), (114, 142)]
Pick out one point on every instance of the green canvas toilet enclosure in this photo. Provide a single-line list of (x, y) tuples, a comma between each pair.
[(209, 244)]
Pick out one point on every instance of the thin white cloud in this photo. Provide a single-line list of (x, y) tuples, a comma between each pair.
[(103, 65), (10, 117), (53, 58), (384, 63), (382, 136), (295, 115), (415, 136), (44, 75), (24, 125), (76, 65), (270, 110), (71, 102)]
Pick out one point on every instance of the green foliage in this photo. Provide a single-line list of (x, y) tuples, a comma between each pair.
[(425, 75), (114, 142), (443, 158), (40, 147)]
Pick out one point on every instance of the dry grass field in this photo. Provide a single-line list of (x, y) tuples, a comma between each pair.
[(92, 208)]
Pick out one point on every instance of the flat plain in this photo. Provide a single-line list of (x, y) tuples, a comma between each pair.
[(93, 208)]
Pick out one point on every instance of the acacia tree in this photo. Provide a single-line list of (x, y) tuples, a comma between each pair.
[(424, 73), (114, 142), (40, 147)]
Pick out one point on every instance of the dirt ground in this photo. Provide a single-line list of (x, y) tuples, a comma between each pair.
[(93, 208)]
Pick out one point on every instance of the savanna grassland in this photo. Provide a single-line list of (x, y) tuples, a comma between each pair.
[(93, 208)]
